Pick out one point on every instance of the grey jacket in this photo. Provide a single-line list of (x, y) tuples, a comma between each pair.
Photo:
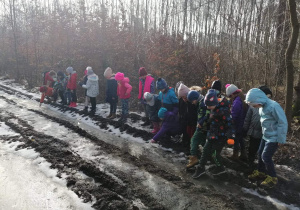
[(92, 86), (252, 123)]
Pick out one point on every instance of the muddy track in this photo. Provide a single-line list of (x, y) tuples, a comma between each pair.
[(287, 190), (109, 193)]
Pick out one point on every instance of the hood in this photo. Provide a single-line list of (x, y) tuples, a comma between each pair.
[(256, 96), (125, 80), (93, 77)]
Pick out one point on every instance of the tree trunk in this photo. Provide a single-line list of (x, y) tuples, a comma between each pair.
[(289, 61)]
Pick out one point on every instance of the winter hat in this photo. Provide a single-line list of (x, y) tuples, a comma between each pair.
[(119, 76), (193, 95), (266, 90), (149, 98), (89, 70), (142, 71), (108, 72), (161, 84), (43, 89), (183, 90), (60, 74), (231, 88), (86, 70), (216, 85), (162, 112), (211, 98), (70, 70)]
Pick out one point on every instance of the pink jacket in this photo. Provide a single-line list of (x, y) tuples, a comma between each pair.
[(147, 86), (124, 88), (72, 83)]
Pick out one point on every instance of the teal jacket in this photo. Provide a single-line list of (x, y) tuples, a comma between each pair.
[(272, 117)]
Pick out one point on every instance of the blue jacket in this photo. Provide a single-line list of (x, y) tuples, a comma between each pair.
[(168, 99), (272, 117)]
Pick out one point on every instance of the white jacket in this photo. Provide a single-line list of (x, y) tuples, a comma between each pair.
[(92, 86)]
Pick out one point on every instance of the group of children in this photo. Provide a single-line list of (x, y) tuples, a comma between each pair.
[(209, 120)]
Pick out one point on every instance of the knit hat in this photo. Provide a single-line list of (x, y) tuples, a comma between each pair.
[(231, 88), (90, 71), (266, 90), (142, 71), (162, 112), (70, 70), (183, 90), (149, 98), (60, 74), (216, 85), (211, 98), (193, 95), (108, 72), (161, 84), (43, 89), (119, 76)]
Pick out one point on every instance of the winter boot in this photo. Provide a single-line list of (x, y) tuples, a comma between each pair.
[(243, 155), (257, 175), (269, 182), (85, 110), (124, 119), (109, 116), (155, 127), (92, 112), (235, 155), (199, 172), (192, 161), (218, 170)]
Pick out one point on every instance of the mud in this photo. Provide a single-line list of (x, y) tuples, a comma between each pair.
[(111, 195)]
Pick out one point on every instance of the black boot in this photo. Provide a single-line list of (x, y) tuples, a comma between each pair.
[(85, 110), (92, 112)]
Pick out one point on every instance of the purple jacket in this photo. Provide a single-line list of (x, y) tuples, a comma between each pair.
[(169, 125), (238, 114)]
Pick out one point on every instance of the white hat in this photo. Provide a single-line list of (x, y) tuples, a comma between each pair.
[(183, 90), (70, 70), (108, 72), (231, 89), (149, 98)]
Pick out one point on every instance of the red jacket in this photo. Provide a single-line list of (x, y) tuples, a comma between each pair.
[(72, 83), (124, 88), (48, 78), (49, 92)]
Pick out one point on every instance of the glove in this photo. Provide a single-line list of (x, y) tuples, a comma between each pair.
[(230, 141), (80, 83)]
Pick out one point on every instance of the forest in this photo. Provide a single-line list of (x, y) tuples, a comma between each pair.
[(240, 42)]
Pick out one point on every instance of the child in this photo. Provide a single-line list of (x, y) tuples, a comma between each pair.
[(49, 78), (274, 130), (153, 106), (170, 124), (187, 114), (220, 129), (238, 111), (146, 84), (71, 87), (83, 82), (60, 87), (199, 137), (123, 90), (92, 87), (166, 95), (111, 92), (46, 91)]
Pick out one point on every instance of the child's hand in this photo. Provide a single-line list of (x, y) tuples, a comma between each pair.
[(199, 126)]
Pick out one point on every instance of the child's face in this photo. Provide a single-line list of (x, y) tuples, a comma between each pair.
[(107, 77), (194, 102), (211, 107), (144, 77), (257, 106), (162, 90), (161, 119), (184, 98)]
